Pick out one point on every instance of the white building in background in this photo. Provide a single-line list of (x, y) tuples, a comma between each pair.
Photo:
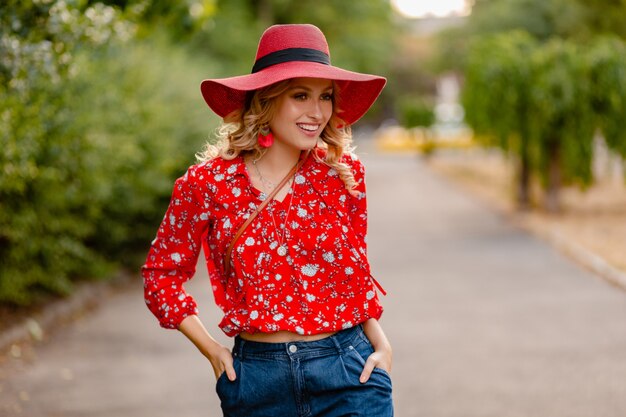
[(448, 109)]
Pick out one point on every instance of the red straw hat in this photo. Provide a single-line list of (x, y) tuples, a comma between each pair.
[(294, 51)]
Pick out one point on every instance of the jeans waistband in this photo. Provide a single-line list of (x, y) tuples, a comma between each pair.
[(336, 343)]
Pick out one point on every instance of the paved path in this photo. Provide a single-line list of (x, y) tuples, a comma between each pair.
[(485, 320)]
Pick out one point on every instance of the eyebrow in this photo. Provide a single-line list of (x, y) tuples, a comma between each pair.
[(302, 87)]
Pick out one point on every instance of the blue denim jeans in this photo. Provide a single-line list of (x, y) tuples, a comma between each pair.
[(305, 379)]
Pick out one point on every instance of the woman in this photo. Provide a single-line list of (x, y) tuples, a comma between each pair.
[(279, 208)]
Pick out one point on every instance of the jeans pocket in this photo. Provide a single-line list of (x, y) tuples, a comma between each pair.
[(224, 387), (220, 379), (362, 350)]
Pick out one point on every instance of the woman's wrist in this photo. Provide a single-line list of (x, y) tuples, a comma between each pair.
[(210, 349), (382, 346), (376, 336), (195, 331)]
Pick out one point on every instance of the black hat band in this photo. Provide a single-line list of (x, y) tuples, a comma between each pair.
[(291, 54)]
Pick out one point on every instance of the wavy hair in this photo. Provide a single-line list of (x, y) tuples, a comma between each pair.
[(237, 135)]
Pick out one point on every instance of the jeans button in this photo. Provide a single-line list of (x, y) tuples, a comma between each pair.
[(293, 348)]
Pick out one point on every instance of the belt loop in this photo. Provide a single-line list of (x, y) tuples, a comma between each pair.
[(335, 340), (239, 347)]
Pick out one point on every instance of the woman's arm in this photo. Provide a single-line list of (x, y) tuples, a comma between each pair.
[(173, 254), (382, 356), (220, 357)]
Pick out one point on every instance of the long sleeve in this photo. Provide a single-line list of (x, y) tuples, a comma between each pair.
[(174, 252), (357, 208), (358, 215)]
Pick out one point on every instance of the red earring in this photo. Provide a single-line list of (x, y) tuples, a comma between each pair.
[(266, 138)]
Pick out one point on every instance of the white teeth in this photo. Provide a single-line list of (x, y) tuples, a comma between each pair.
[(310, 128)]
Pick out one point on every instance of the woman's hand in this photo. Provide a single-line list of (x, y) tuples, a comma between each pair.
[(382, 356), (222, 361), (220, 357), (378, 359)]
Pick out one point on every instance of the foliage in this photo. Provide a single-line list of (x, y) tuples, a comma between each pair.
[(539, 97), (40, 247), (543, 102), (498, 81), (182, 18), (498, 102), (605, 17), (231, 36), (607, 62), (93, 130), (415, 112), (143, 134), (540, 18), (562, 121), (579, 20)]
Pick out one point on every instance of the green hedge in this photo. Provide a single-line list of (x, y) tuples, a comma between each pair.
[(93, 132), (415, 112)]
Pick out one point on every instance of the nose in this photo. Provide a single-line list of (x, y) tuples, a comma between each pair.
[(315, 110)]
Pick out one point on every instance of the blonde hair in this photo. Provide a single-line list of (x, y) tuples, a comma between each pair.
[(237, 135)]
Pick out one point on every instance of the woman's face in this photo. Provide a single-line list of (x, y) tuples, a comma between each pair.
[(302, 112)]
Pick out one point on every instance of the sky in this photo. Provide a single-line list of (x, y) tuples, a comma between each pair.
[(430, 8)]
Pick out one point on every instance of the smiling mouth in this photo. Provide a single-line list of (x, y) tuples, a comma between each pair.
[(308, 127)]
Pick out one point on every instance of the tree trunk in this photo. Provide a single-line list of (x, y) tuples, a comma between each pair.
[(552, 203), (523, 177), (429, 146)]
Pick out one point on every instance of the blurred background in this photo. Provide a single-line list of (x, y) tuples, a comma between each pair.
[(522, 102)]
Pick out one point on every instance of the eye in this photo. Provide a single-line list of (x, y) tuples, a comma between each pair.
[(300, 96), (327, 96)]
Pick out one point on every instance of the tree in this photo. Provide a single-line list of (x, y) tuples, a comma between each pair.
[(542, 104), (568, 86), (579, 20), (562, 119), (498, 102), (608, 86)]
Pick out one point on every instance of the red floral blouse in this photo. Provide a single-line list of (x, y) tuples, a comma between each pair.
[(321, 284)]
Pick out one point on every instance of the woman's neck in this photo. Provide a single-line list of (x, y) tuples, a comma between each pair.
[(278, 160)]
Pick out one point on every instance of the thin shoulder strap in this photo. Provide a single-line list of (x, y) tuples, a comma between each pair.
[(255, 213)]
